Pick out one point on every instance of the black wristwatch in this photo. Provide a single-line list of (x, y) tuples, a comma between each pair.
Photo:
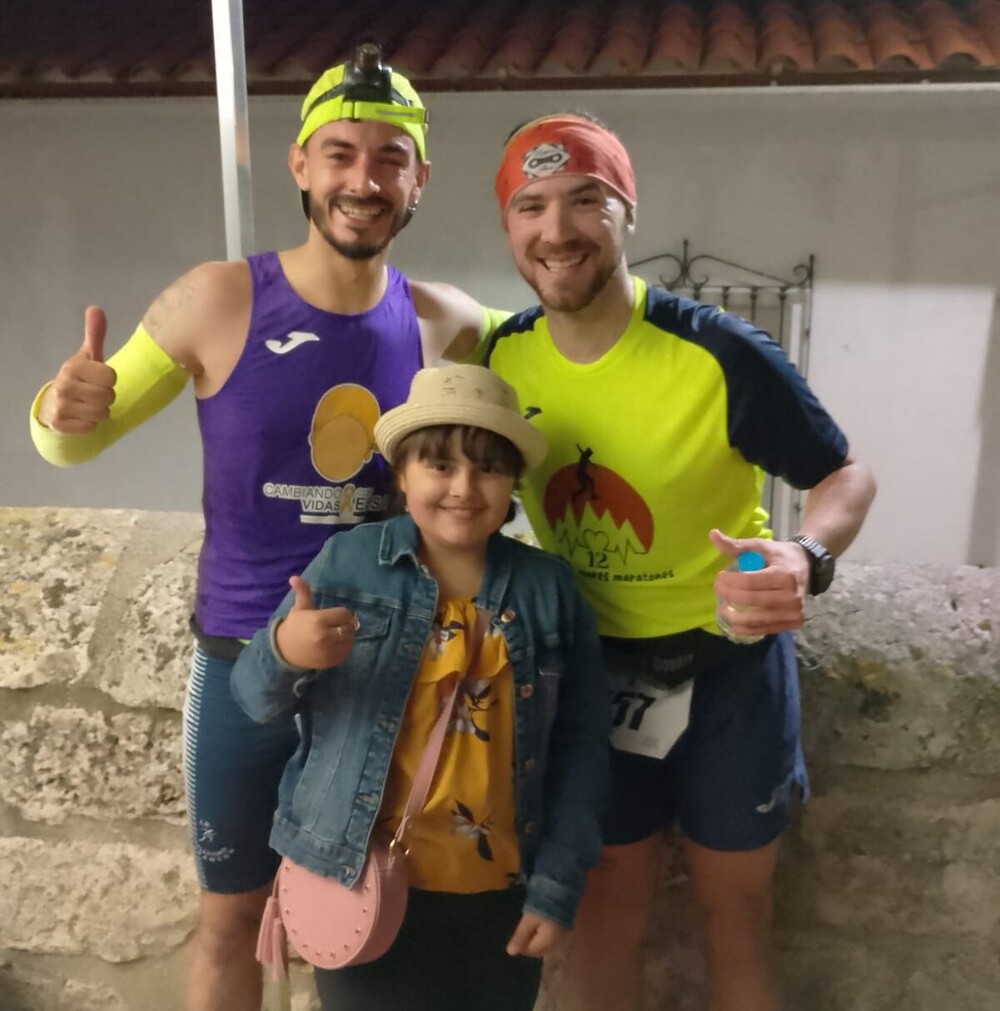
[(821, 564)]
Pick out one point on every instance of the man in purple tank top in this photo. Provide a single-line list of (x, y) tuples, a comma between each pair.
[(294, 357)]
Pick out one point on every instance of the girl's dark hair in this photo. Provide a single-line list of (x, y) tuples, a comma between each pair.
[(480, 445)]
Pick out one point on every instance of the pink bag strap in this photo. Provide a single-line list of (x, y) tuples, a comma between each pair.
[(428, 761), (272, 949)]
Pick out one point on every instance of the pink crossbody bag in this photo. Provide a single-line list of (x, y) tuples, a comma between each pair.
[(330, 925)]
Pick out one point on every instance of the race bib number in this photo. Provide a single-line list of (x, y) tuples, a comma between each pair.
[(645, 719)]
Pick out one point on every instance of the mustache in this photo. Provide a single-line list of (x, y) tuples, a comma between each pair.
[(362, 202), (570, 246)]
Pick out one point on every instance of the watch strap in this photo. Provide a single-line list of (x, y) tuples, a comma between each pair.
[(821, 563)]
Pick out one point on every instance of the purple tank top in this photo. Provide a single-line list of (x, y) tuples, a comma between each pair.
[(289, 457)]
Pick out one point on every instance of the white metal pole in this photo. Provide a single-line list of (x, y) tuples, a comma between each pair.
[(234, 126)]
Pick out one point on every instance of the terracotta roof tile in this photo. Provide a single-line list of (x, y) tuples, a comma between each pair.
[(526, 40), (677, 40), (124, 47), (575, 41), (727, 52), (623, 52), (896, 40), (464, 56), (730, 40), (984, 15), (784, 38), (475, 41), (625, 45), (949, 38), (423, 44), (840, 42)]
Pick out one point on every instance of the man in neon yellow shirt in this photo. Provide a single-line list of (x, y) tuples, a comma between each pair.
[(662, 417)]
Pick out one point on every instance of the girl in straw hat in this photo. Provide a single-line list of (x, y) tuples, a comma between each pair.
[(365, 648)]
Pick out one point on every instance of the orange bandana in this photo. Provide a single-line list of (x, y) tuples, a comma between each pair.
[(563, 144)]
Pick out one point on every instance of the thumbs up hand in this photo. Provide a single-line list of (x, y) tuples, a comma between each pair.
[(83, 390), (95, 327), (311, 638), (770, 600)]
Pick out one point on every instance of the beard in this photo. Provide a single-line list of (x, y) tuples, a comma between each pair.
[(559, 300), (357, 250)]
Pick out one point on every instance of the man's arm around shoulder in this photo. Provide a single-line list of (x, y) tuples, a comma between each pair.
[(453, 325)]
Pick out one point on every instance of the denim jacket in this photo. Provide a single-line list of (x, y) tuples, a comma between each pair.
[(350, 714)]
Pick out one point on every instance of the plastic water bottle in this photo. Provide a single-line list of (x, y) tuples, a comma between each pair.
[(748, 561)]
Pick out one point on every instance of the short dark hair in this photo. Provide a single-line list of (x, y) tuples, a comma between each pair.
[(480, 445)]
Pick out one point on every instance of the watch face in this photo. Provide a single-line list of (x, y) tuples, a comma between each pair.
[(821, 564), (822, 573)]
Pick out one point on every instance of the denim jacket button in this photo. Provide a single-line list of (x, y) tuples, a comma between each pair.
[(529, 764), (507, 616), (526, 691), (529, 828)]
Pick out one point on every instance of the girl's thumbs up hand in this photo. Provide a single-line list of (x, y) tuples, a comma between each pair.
[(311, 638)]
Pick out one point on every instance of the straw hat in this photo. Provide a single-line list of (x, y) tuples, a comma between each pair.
[(461, 395)]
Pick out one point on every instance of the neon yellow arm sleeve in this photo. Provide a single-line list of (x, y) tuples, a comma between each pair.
[(492, 318), (147, 380)]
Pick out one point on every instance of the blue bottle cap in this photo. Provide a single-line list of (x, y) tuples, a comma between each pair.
[(751, 561)]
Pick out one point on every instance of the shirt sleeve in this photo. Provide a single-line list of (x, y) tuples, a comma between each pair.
[(493, 319), (774, 419)]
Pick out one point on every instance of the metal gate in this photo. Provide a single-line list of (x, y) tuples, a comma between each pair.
[(781, 306)]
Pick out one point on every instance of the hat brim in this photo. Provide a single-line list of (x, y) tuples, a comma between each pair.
[(398, 423)]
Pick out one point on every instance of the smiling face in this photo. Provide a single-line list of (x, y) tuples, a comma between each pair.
[(360, 178), (456, 502), (567, 234)]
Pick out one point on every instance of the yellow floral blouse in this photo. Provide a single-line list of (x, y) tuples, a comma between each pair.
[(464, 840)]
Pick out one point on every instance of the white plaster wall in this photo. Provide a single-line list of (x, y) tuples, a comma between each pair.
[(895, 192)]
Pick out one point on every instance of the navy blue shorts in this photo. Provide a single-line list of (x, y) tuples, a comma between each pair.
[(729, 780), (232, 767)]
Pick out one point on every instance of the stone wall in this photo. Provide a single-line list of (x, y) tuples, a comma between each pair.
[(888, 891)]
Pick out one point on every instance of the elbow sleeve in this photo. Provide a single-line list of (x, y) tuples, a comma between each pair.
[(147, 380)]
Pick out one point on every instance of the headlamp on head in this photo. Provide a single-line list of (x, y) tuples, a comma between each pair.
[(366, 78), (365, 89)]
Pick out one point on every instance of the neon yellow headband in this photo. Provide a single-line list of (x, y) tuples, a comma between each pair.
[(331, 99)]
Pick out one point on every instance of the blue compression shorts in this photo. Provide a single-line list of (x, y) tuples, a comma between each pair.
[(730, 779), (232, 767)]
